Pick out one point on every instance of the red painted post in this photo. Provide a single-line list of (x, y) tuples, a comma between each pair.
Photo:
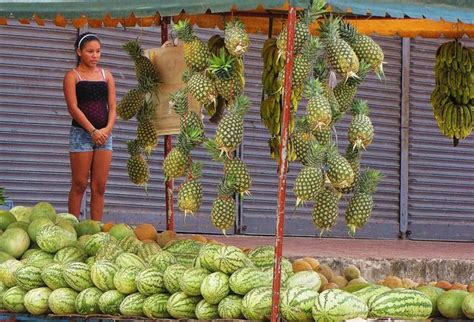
[(283, 164), (168, 147)]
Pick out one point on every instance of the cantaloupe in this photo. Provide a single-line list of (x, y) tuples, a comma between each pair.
[(145, 231)]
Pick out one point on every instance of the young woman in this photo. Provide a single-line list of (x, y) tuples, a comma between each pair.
[(90, 96)]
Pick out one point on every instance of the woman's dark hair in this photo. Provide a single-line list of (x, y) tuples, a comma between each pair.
[(82, 40)]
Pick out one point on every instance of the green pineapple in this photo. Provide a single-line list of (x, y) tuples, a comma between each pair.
[(202, 88), (2, 196), (353, 157), (345, 91), (137, 166), (196, 52), (325, 209), (230, 130), (147, 136), (323, 135), (364, 47), (223, 208), (361, 204), (361, 130), (144, 68), (322, 73), (318, 108), (188, 118), (301, 139), (226, 79), (339, 171), (190, 192), (341, 57), (131, 103), (311, 178), (236, 38)]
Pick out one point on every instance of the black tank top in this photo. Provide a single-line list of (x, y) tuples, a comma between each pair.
[(92, 97)]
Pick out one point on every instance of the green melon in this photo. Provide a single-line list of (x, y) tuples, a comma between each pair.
[(21, 213), (53, 238), (14, 241), (124, 280), (215, 287), (28, 277), (7, 271), (191, 281), (69, 217), (13, 299), (87, 227), (304, 279), (182, 306), (87, 301), (230, 307), (62, 301), (52, 275), (172, 276), (36, 300), (125, 260), (468, 306), (81, 241), (162, 260), (36, 225), (43, 210), (77, 275), (5, 256), (450, 304), (67, 226), (399, 303), (120, 231), (70, 254), (257, 304), (335, 304), (109, 302), (6, 218), (206, 311), (296, 304), (90, 261), (433, 293), (369, 292), (19, 224), (154, 306), (247, 278), (102, 274), (132, 305)]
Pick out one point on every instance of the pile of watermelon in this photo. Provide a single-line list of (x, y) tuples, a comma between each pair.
[(52, 263)]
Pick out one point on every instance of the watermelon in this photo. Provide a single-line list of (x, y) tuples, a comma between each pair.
[(95, 241), (120, 231), (215, 287), (62, 301), (367, 293), (109, 251), (172, 276), (125, 260), (262, 256), (147, 250), (43, 209), (77, 275), (109, 302), (90, 261), (305, 279), (21, 213), (207, 256), (53, 238), (182, 306), (13, 299), (154, 306), (230, 307), (30, 252), (150, 281), (247, 278), (230, 258), (28, 277), (36, 225), (183, 246), (191, 281), (162, 260), (36, 300), (206, 311), (102, 274), (257, 304), (39, 258), (67, 226), (87, 227), (335, 304), (14, 241), (130, 244), (450, 304), (19, 224), (81, 241), (7, 271), (52, 276), (433, 294), (69, 217), (404, 304), (5, 256), (70, 254), (296, 303), (6, 218), (132, 305), (87, 301), (124, 280)]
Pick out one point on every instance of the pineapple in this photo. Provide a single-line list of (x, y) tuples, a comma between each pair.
[(147, 136), (131, 103), (360, 205), (190, 192), (301, 139), (179, 101), (322, 73), (339, 171), (345, 91), (361, 131), (2, 196), (364, 47), (325, 209), (202, 88), (318, 108), (323, 135), (311, 178), (340, 55), (223, 208), (353, 157), (230, 130), (137, 166), (226, 79), (196, 52), (144, 68), (236, 38)]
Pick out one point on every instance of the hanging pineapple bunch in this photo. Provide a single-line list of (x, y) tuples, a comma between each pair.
[(137, 166), (223, 208), (361, 130), (190, 191), (361, 204)]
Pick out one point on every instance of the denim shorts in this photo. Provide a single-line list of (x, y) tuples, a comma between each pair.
[(81, 141)]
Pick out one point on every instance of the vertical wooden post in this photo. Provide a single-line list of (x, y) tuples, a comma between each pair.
[(283, 164), (168, 146), (405, 134)]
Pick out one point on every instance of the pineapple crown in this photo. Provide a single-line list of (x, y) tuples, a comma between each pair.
[(133, 48), (179, 100), (360, 107), (332, 150), (316, 155), (316, 9), (227, 186), (241, 105), (329, 29), (147, 112), (189, 138), (234, 23), (148, 83), (222, 65), (195, 170), (312, 88), (368, 181), (320, 69), (312, 48), (348, 32), (216, 154), (133, 148), (352, 154), (302, 124), (184, 30), (364, 69), (186, 75)]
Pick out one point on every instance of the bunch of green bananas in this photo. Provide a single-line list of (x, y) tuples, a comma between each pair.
[(453, 96)]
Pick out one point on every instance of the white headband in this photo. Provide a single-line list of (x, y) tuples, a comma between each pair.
[(84, 37)]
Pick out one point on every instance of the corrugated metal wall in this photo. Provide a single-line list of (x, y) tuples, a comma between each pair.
[(441, 177)]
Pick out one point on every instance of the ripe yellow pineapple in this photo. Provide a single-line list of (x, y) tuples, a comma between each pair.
[(325, 209), (137, 166), (236, 38), (196, 52), (190, 192), (301, 139), (339, 171), (361, 130), (223, 208), (317, 108), (144, 68)]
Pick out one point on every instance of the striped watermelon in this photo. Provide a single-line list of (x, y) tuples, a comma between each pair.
[(13, 299), (124, 280), (182, 306), (87, 302), (296, 303), (257, 304), (207, 256), (231, 258), (102, 274), (52, 276), (262, 256), (129, 260), (206, 311), (305, 279), (63, 301), (28, 277), (70, 254), (186, 259), (162, 260), (53, 238), (147, 250), (191, 281), (36, 300), (370, 291), (132, 305), (90, 260), (3, 289), (109, 251), (39, 258), (81, 241), (154, 306), (215, 287), (130, 244), (109, 302), (77, 275), (172, 276), (335, 304), (93, 244), (183, 246), (7, 269), (150, 281), (230, 307), (29, 252), (404, 304), (246, 279)]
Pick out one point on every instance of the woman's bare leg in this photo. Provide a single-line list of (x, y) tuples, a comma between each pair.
[(100, 172), (80, 166)]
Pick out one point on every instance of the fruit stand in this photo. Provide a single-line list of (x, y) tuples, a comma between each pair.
[(256, 20)]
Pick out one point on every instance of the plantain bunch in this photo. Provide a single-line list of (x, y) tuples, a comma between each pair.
[(453, 96)]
